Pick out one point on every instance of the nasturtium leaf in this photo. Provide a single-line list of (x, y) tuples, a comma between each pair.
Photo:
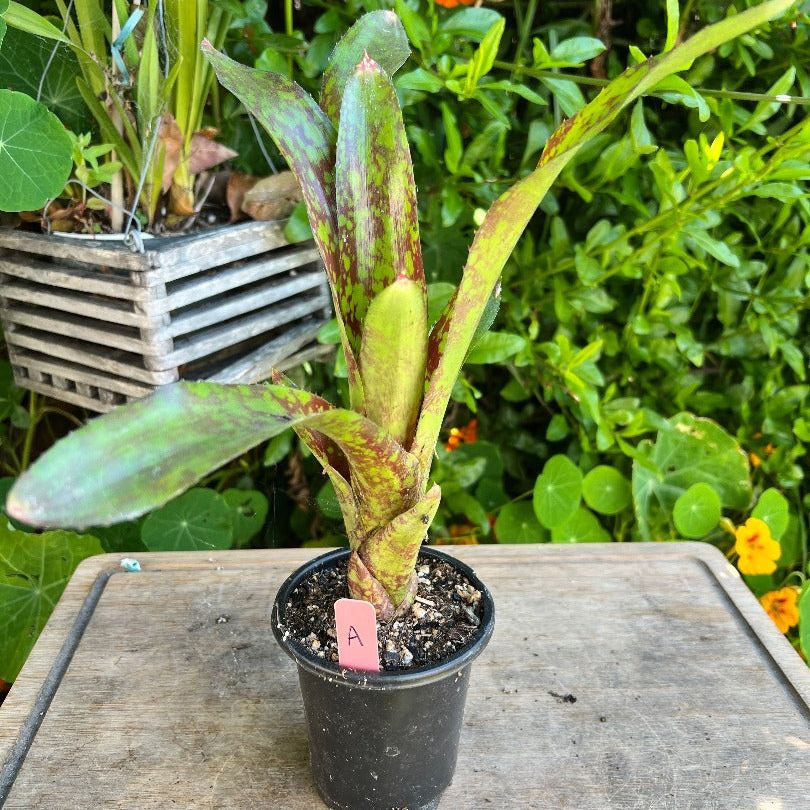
[(760, 584), (35, 153), (687, 450), (581, 527), (328, 503), (491, 494), (120, 537), (477, 452), (606, 490), (199, 520), (517, 523), (557, 491), (34, 569), (25, 59), (248, 512), (772, 507), (697, 511)]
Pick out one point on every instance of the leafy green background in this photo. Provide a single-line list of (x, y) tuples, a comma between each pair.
[(652, 343)]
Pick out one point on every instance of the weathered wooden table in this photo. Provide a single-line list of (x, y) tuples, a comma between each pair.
[(619, 676)]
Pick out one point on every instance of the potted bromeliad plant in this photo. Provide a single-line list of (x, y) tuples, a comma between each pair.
[(378, 739)]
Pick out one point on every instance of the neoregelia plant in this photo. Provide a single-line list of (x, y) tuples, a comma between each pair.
[(351, 157)]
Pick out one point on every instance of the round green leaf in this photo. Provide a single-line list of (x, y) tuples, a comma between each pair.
[(517, 523), (328, 503), (772, 508), (248, 511), (557, 491), (199, 520), (34, 569), (35, 153), (606, 490), (697, 511), (25, 58), (583, 527)]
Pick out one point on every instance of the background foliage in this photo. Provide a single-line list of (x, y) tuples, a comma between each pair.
[(646, 377)]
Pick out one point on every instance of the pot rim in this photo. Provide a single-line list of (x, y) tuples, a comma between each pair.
[(384, 680)]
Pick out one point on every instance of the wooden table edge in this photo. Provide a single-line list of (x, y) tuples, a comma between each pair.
[(31, 695)]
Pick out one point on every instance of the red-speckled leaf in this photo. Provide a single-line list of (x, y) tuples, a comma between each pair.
[(379, 34), (376, 196), (303, 134), (141, 455), (508, 217), (306, 139)]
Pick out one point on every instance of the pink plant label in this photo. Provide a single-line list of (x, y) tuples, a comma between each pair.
[(357, 635)]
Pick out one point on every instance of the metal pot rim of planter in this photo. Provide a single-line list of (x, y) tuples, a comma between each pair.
[(96, 323)]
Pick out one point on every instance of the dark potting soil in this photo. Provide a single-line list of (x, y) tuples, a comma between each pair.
[(443, 618)]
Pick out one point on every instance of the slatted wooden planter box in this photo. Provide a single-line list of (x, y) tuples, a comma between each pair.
[(97, 324)]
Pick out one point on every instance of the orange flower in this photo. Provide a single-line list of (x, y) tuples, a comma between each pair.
[(757, 549), (454, 3), (468, 433), (782, 607), (755, 460), (461, 534)]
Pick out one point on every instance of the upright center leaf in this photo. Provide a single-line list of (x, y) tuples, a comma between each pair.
[(376, 197)]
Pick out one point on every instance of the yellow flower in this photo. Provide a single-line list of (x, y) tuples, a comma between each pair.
[(782, 607), (757, 549)]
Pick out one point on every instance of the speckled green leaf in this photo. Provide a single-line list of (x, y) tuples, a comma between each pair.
[(141, 455), (376, 197), (303, 134), (379, 34), (509, 215), (306, 139), (390, 554)]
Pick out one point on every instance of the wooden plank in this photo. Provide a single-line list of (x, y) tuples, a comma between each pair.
[(276, 292), (83, 400), (173, 693), (259, 364), (201, 344), (223, 280), (182, 254), (110, 310), (75, 326), (84, 250), (216, 247), (75, 372), (115, 362), (88, 278)]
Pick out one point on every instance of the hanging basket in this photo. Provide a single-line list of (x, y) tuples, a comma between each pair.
[(94, 323)]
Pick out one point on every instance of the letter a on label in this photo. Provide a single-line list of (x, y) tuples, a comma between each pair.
[(356, 625)]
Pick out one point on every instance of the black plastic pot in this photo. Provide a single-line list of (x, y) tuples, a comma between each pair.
[(386, 741)]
